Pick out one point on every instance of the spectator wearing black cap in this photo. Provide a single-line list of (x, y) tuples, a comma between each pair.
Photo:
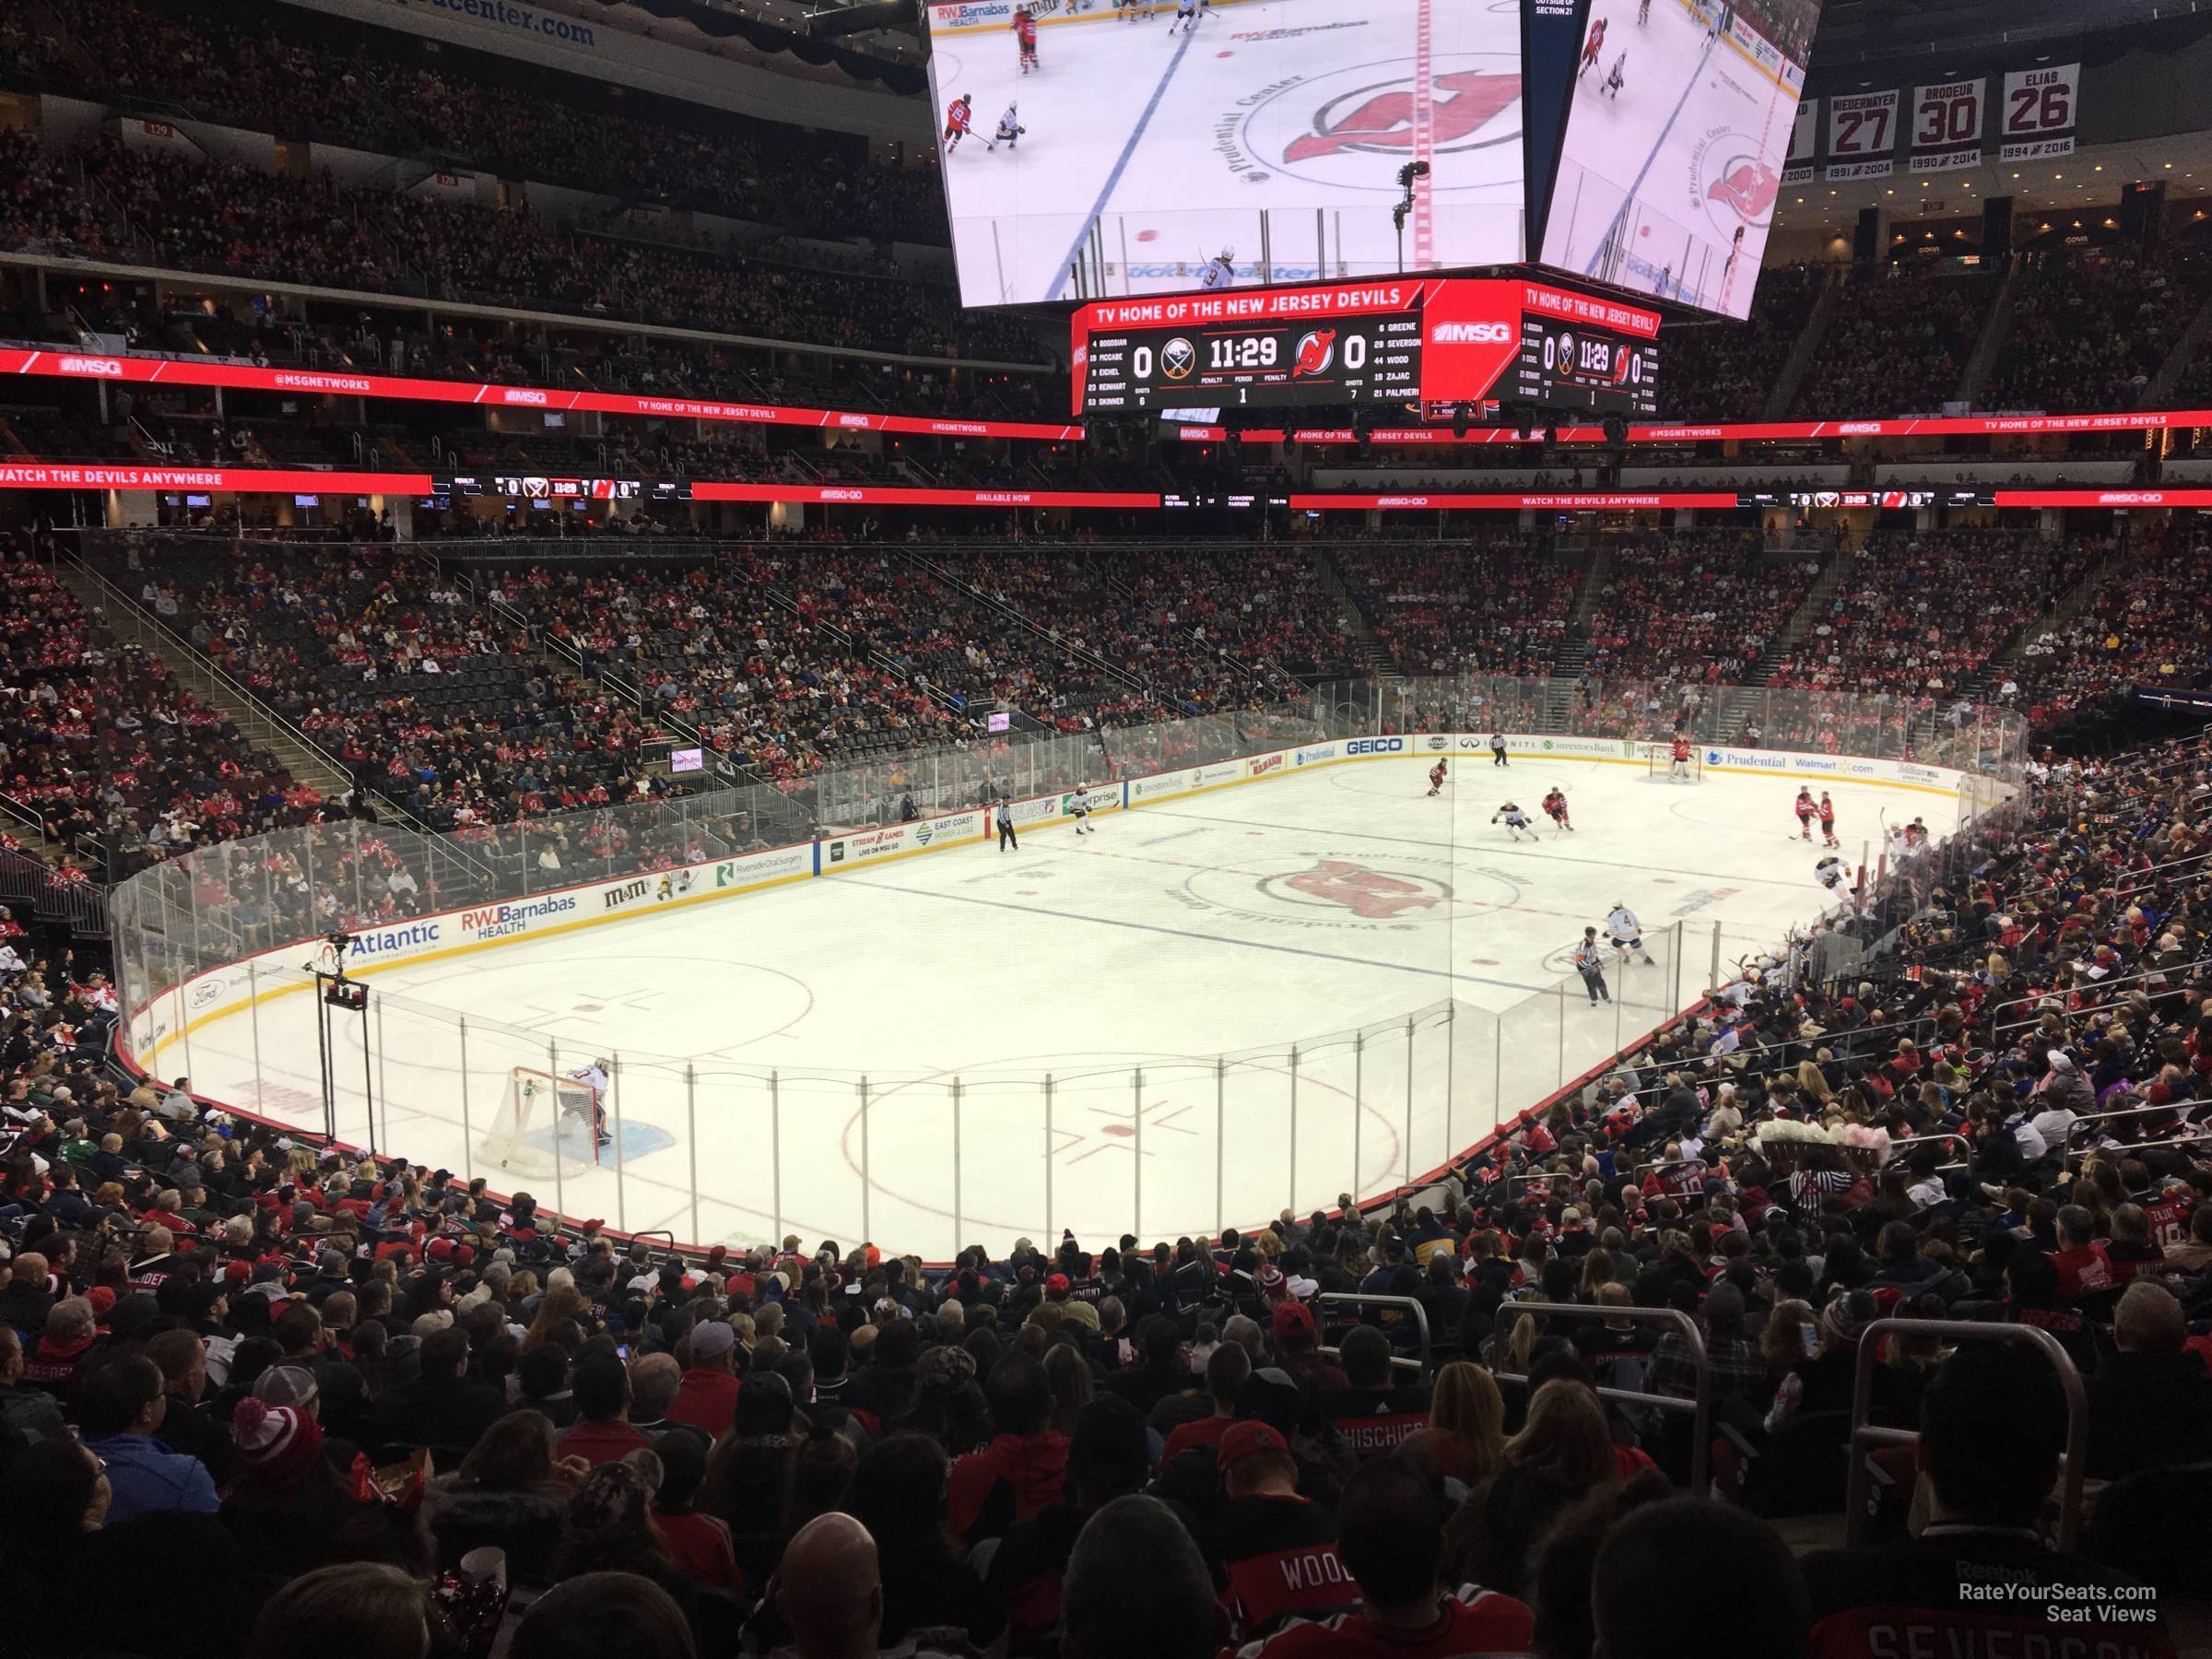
[(1993, 1427)]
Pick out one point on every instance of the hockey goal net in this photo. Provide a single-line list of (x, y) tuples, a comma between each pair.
[(545, 1125), (1660, 761)]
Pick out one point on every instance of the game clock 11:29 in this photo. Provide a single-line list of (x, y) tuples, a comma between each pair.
[(1342, 359)]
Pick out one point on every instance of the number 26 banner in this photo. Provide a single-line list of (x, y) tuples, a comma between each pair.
[(2037, 116)]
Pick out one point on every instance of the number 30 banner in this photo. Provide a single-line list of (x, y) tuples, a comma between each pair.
[(2038, 116), (1947, 126)]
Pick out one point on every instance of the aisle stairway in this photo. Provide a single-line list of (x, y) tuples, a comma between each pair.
[(1367, 649), (313, 767)]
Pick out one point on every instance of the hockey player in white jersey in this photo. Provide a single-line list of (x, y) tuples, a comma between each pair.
[(1614, 77), (595, 1076), (1220, 270), (1628, 933), (1186, 16), (1009, 129), (1832, 873), (1516, 821)]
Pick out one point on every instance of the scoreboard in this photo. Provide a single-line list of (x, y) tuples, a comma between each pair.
[(1433, 343)]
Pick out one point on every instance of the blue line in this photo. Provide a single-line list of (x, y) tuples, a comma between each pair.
[(1121, 163), (1657, 144), (1174, 835)]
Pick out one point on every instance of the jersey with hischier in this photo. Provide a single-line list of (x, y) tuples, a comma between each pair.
[(1471, 1620), (1279, 1557), (1371, 1423)]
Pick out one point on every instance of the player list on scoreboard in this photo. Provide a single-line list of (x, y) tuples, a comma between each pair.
[(1570, 366), (1343, 359)]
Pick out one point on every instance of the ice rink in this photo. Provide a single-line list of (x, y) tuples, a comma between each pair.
[(1272, 127), (1654, 179), (1123, 964)]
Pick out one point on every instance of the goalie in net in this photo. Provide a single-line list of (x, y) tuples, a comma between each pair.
[(548, 1125), (1677, 761)]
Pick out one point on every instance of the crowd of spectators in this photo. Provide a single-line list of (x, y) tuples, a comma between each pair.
[(2142, 623), (1701, 605), (1499, 606), (305, 1390), (249, 65), (97, 742), (220, 218), (1896, 345), (1726, 371), (2091, 333), (1921, 615)]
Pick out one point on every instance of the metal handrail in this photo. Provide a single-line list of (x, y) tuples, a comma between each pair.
[(1865, 1437), (1700, 1404), (1356, 1300)]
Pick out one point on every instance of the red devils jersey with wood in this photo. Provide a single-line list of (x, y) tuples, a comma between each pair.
[(1280, 1558)]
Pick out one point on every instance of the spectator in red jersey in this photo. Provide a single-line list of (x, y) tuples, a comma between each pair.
[(1993, 1427), (699, 1544), (1390, 1530), (602, 1388), (1023, 1468), (1226, 1371), (707, 1399), (2082, 1264)]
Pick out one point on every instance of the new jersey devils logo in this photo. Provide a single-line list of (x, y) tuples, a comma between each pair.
[(1748, 186), (1366, 893), (1382, 120), (1316, 351)]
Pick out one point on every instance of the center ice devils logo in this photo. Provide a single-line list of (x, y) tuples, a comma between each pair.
[(1750, 186), (1369, 894), (1733, 183), (1349, 128), (1316, 351), (1381, 119)]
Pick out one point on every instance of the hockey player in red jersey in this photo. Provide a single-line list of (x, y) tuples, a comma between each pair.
[(1436, 780), (1597, 39), (1677, 769), (1025, 31), (1554, 808), (956, 122), (1828, 821), (1807, 812)]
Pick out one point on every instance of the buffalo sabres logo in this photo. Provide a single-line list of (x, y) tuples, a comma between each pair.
[(1177, 359), (1316, 353)]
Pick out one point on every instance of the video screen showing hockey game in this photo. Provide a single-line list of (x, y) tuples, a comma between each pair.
[(1099, 149), (1677, 134)]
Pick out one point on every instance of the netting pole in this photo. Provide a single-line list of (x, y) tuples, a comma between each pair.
[(1359, 1109), (468, 1135), (1137, 1103), (561, 1202), (383, 1090), (1563, 1071), (253, 1018), (1220, 1139), (1048, 1154), (866, 1177), (1617, 1003), (1409, 1099), (1497, 1071), (1293, 1199), (1714, 982), (1675, 1003), (691, 1143), (776, 1155), (1450, 1082), (956, 1228), (621, 1196)]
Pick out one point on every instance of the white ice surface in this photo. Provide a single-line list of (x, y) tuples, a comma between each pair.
[(1175, 934)]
